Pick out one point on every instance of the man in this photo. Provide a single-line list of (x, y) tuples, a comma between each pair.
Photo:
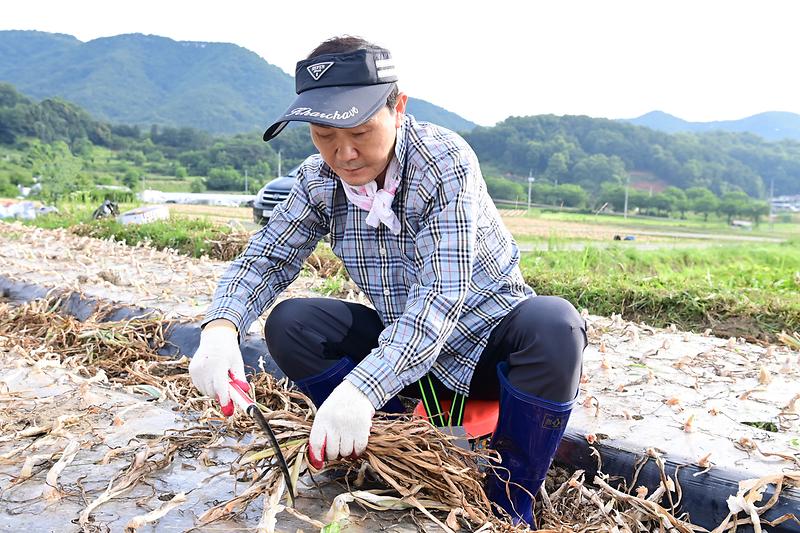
[(406, 209)]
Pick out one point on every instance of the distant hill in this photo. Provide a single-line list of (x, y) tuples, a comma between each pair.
[(772, 125), (146, 79), (569, 151), (428, 112), (588, 151)]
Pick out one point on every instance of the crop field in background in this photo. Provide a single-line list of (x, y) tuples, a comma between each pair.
[(747, 289), (741, 290), (787, 225)]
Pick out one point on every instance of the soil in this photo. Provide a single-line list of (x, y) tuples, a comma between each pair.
[(690, 395), (180, 286)]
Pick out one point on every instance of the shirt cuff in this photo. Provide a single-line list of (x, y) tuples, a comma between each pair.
[(376, 379), (230, 309)]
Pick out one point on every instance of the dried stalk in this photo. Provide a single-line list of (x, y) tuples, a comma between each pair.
[(421, 467)]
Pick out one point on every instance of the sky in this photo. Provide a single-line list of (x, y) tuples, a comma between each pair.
[(700, 60)]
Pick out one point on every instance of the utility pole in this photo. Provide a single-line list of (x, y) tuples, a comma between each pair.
[(245, 181), (279, 164), (771, 196), (531, 179), (627, 182)]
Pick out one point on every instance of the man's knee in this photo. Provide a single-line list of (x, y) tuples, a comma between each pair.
[(557, 337), (560, 326), (553, 314)]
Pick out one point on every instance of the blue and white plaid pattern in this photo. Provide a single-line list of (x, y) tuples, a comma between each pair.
[(440, 286)]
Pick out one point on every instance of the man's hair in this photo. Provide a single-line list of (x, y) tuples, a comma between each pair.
[(350, 43)]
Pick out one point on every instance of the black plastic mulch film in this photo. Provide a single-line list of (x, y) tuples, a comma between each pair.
[(704, 496)]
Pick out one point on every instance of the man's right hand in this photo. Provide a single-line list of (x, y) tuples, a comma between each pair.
[(218, 354)]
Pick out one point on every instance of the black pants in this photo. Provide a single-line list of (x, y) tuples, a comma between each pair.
[(542, 339)]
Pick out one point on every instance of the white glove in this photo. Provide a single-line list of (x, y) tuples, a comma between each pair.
[(341, 427), (217, 361)]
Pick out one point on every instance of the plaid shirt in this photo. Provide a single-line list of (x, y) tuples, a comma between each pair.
[(440, 286)]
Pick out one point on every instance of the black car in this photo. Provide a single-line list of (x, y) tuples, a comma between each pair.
[(271, 195)]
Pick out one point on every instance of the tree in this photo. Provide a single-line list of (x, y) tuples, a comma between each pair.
[(197, 185), (590, 171), (9, 97), (756, 210), (734, 203), (155, 156), (7, 190), (662, 202), (131, 179), (60, 171), (195, 161), (294, 144), (677, 200), (134, 156), (543, 193), (557, 166), (614, 195), (18, 178), (504, 189), (702, 201), (571, 195), (11, 124), (224, 179)]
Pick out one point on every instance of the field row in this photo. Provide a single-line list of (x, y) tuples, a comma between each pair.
[(734, 287)]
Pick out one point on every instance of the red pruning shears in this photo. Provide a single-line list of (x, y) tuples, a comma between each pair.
[(239, 395)]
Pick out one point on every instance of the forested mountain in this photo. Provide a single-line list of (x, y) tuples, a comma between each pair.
[(772, 126), (48, 121), (60, 146), (587, 151), (574, 152), (144, 79)]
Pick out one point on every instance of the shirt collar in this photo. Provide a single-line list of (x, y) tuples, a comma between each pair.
[(400, 148)]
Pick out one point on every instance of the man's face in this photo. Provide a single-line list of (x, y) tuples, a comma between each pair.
[(361, 154)]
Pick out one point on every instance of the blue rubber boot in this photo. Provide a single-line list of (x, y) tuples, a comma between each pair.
[(319, 387), (527, 436)]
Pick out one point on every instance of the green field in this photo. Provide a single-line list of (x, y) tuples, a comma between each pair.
[(739, 289), (168, 185), (189, 236), (787, 224)]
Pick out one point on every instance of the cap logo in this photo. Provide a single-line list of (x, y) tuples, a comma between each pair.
[(336, 115), (318, 69)]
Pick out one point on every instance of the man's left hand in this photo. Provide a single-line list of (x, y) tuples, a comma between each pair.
[(341, 427)]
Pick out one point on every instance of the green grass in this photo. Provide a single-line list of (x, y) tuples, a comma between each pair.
[(552, 242), (693, 223), (100, 165), (189, 236), (742, 290), (746, 290), (12, 165), (70, 215), (182, 185)]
